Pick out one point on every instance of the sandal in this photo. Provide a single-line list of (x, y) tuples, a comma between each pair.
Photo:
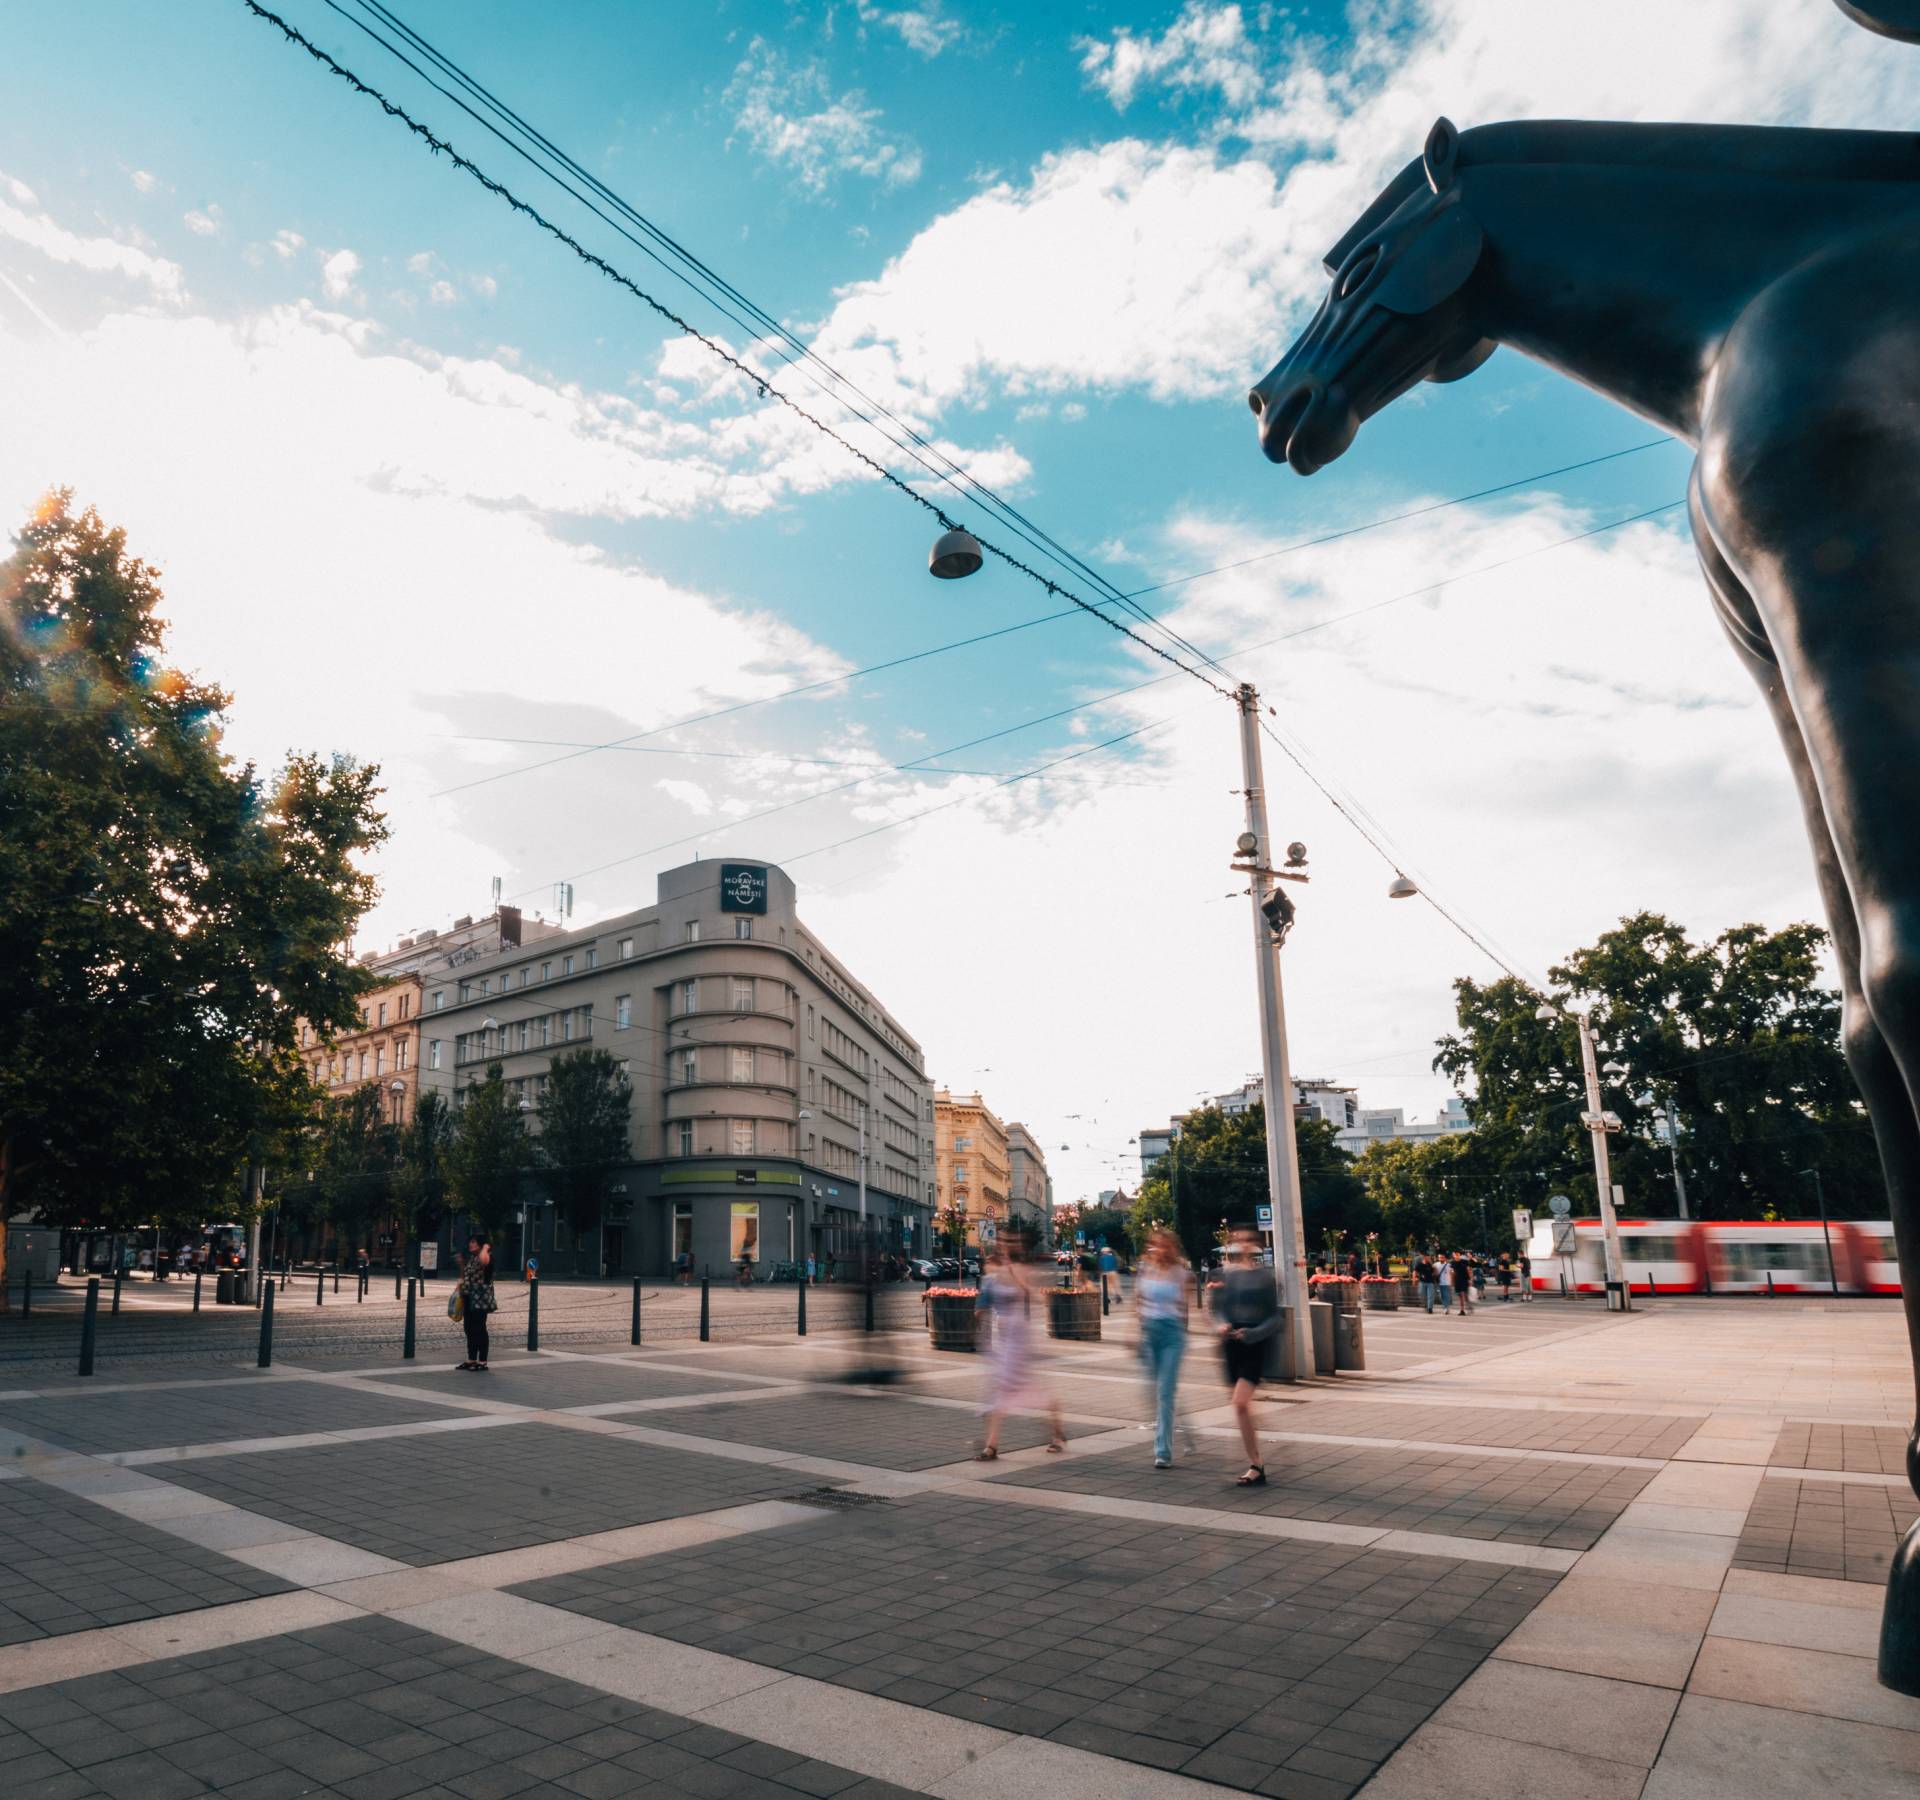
[(1057, 1447), (466, 1365), (1256, 1476), (987, 1453)]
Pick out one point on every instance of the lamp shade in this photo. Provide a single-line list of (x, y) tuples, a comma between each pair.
[(1401, 888), (955, 553)]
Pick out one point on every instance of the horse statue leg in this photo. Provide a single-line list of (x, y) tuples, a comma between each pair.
[(1803, 506)]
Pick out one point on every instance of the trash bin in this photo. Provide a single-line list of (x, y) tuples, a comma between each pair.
[(223, 1288), (1320, 1316), (242, 1288), (1349, 1340)]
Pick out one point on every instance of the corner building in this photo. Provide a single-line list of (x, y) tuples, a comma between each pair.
[(754, 1055)]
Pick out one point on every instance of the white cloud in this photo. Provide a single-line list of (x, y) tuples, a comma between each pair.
[(144, 180), (203, 222), (443, 293), (422, 262), (689, 794), (1205, 48), (337, 270), (288, 244), (484, 285), (790, 115), (924, 29), (95, 254)]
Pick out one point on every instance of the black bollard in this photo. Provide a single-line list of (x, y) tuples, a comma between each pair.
[(705, 1326), (336, 1278), (1651, 1289), (266, 1328), (89, 1322), (26, 1297), (197, 1274), (119, 1275), (533, 1312), (406, 1345), (1103, 1296), (869, 1305), (1769, 1284), (636, 1309), (803, 1309), (396, 1284), (319, 1287)]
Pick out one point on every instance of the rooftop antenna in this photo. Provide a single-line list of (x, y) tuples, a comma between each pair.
[(563, 899), (496, 893)]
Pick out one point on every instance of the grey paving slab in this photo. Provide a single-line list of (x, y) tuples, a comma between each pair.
[(69, 1565), (1853, 1449), (211, 1414), (1841, 1530), (533, 1382), (376, 1710), (1562, 1505), (885, 1432), (1506, 1428), (429, 1499), (1227, 1657)]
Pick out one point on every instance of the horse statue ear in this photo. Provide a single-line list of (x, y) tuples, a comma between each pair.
[(1441, 156), (1891, 18)]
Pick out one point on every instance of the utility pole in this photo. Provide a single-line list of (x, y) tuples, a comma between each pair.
[(866, 1248), (1673, 1148), (1283, 1160), (256, 1201), (1599, 1123)]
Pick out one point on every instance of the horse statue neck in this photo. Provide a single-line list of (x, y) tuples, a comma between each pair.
[(1622, 254)]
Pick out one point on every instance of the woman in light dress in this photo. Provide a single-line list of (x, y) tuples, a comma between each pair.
[(1007, 1292)]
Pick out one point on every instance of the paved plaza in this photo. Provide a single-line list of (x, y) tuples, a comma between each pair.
[(1543, 1549)]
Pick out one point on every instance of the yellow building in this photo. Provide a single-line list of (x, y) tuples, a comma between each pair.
[(384, 1052), (970, 1166)]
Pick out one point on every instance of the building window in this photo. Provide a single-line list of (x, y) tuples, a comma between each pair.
[(526, 976), (380, 1056), (433, 1053), (743, 928), (742, 996), (383, 1014), (743, 1137), (546, 971), (546, 1029), (406, 1006), (683, 1210), (593, 956), (810, 1032), (742, 1066), (626, 948), (693, 931), (690, 1067), (439, 998), (522, 1032), (363, 1065), (566, 965), (566, 1026), (810, 1086), (586, 1021), (400, 1054), (689, 996), (745, 1246), (466, 991), (622, 1011), (483, 987)]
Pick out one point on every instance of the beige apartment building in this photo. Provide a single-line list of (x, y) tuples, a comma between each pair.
[(384, 1053), (1029, 1186), (972, 1174)]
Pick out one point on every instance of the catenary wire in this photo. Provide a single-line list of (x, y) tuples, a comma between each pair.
[(694, 272), (760, 382)]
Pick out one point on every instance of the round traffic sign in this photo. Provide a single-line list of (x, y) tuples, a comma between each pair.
[(1559, 1205)]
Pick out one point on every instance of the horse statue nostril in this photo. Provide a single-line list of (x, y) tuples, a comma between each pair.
[(1258, 402)]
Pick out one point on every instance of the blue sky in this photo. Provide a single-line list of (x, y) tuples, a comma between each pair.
[(418, 478)]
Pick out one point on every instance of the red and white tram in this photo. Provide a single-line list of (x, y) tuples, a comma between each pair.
[(1724, 1256)]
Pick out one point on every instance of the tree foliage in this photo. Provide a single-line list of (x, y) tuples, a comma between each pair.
[(420, 1170), (488, 1153), (1737, 1036), (584, 1117), (166, 914)]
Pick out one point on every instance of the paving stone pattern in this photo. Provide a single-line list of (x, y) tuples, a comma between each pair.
[(1587, 1434), (68, 1565), (1563, 1505), (884, 1433), (374, 1710), (210, 1414), (1837, 1530), (533, 1382), (424, 1500), (1289, 1668), (1855, 1449)]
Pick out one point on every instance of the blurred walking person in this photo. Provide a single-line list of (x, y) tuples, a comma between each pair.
[(1246, 1304), (1163, 1293), (1463, 1282), (1429, 1279), (1443, 1263), (1006, 1290)]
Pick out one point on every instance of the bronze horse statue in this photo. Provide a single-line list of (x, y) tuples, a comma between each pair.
[(1756, 291)]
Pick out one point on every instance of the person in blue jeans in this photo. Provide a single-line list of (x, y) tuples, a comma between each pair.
[(1163, 1294)]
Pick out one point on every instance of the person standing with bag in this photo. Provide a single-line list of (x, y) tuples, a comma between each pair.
[(473, 1296)]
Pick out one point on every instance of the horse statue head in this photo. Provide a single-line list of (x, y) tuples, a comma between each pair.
[(1398, 313)]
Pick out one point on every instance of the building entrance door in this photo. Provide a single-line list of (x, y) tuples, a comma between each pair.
[(614, 1251)]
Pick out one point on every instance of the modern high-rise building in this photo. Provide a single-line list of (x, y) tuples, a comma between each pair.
[(762, 1069)]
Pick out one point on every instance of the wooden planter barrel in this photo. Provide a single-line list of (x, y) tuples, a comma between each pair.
[(1380, 1296), (1343, 1294), (1074, 1313), (956, 1323)]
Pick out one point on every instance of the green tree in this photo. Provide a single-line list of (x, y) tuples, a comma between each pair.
[(353, 1172), (489, 1153), (420, 1173), (584, 1117), (1736, 1036), (1113, 1224), (1423, 1192), (166, 914)]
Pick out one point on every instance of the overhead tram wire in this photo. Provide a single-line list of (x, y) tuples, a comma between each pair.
[(1247, 649), (694, 273), (767, 390)]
